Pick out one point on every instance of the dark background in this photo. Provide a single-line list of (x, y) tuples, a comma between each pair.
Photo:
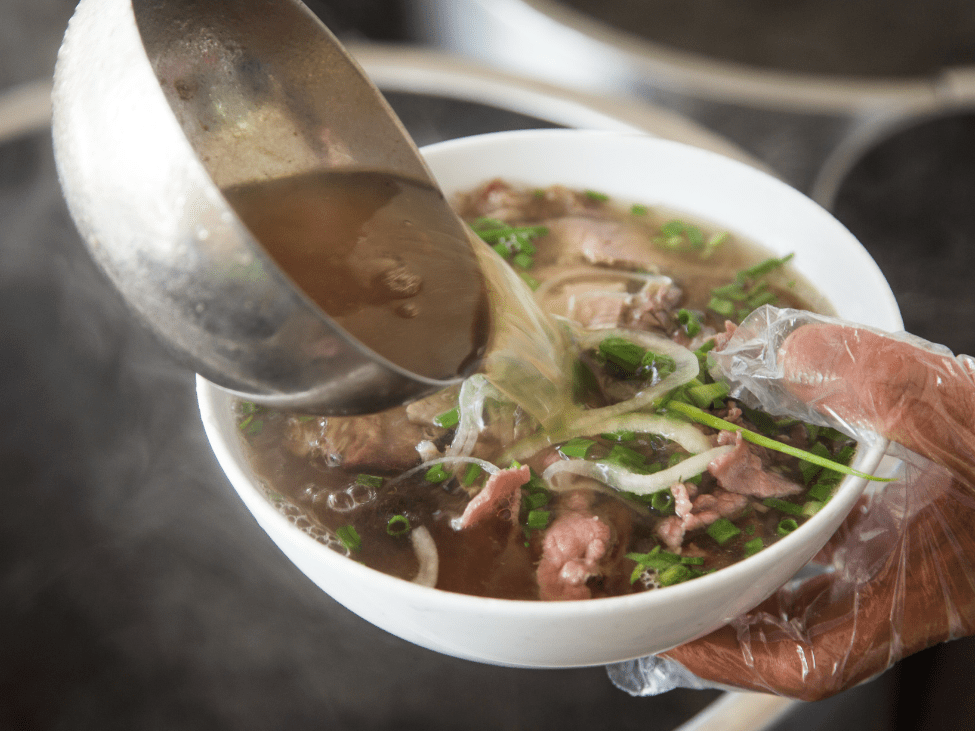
[(135, 590)]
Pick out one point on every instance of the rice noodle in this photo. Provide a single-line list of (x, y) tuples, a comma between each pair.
[(426, 553), (626, 481)]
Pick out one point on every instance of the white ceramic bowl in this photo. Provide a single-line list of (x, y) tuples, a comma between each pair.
[(563, 634)]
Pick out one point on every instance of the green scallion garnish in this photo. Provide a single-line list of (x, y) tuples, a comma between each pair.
[(690, 321), (786, 526), (437, 473), (398, 525), (448, 419), (753, 546), (349, 537), (703, 417), (472, 472), (663, 502), (783, 506), (723, 530), (369, 480), (676, 574), (576, 448)]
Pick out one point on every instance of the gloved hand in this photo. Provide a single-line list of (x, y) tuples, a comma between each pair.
[(899, 575)]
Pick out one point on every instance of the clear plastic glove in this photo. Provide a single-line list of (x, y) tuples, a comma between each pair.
[(899, 575)]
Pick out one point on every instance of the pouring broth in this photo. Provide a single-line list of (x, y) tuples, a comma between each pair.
[(588, 483)]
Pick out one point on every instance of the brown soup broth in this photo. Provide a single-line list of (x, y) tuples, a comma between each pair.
[(331, 473)]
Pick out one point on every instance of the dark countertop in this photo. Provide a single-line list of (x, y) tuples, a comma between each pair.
[(137, 592)]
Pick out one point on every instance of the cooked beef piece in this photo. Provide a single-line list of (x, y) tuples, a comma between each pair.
[(741, 471), (573, 546), (501, 492)]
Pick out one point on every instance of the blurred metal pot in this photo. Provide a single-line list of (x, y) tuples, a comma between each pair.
[(789, 118)]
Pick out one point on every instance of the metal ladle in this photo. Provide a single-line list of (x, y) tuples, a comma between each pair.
[(159, 107)]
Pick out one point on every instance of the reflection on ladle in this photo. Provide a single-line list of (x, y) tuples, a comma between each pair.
[(161, 106)]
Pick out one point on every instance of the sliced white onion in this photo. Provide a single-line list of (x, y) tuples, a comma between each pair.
[(426, 553), (423, 466), (622, 479), (687, 435), (470, 406)]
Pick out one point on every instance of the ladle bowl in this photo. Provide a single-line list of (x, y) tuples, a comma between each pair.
[(161, 106)]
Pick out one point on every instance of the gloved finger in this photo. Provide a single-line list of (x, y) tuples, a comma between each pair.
[(919, 398)]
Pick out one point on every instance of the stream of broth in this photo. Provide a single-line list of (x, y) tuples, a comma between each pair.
[(388, 260)]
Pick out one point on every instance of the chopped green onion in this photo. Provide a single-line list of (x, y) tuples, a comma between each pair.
[(471, 474), (398, 525), (657, 560), (702, 355), (811, 507), (594, 195), (845, 454), (349, 537), (251, 426), (821, 491), (495, 231), (535, 500), (692, 560), (753, 546), (623, 353), (639, 210), (786, 526), (809, 470), (437, 473), (663, 502), (731, 291), (672, 228), (714, 242), (537, 519), (448, 419), (723, 307), (664, 365), (577, 448), (702, 417), (637, 572), (783, 506), (523, 261), (690, 321), (675, 575), (536, 483), (828, 432), (763, 268), (622, 435), (723, 530), (369, 480), (528, 279), (763, 298), (707, 394), (626, 457)]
